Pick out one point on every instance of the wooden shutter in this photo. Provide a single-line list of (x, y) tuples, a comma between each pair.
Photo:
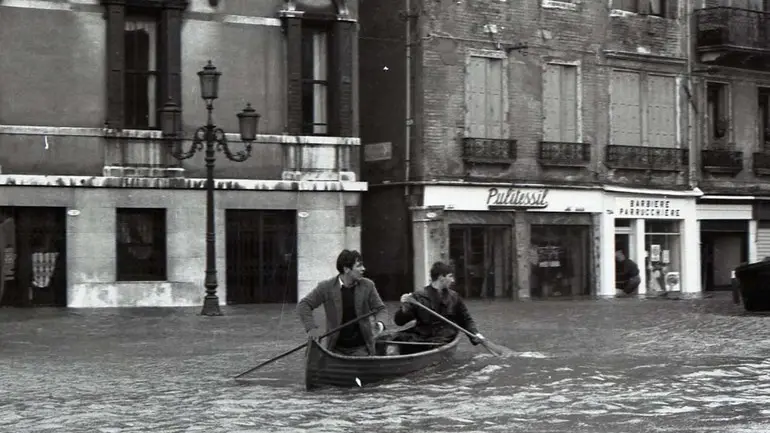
[(116, 19), (494, 117), (475, 98), (625, 109), (661, 111), (568, 82), (551, 103), (294, 74), (170, 45)]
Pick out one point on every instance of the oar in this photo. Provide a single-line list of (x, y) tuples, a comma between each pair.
[(456, 326), (350, 322)]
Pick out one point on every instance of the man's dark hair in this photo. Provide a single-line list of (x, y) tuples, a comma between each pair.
[(440, 269), (348, 259)]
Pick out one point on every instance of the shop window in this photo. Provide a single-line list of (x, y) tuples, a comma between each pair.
[(141, 244), (559, 260), (663, 253)]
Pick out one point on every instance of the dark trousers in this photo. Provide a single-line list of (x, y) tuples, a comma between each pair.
[(629, 286)]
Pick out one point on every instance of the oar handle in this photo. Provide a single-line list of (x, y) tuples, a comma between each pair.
[(301, 346)]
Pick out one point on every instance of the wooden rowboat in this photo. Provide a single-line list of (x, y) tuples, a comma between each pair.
[(326, 368)]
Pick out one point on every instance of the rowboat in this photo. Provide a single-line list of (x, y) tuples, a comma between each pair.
[(326, 368)]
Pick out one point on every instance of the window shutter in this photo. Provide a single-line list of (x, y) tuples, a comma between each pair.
[(625, 109), (294, 74), (569, 104), (170, 62), (551, 104), (475, 98), (672, 8), (341, 108), (494, 115), (116, 18), (661, 111)]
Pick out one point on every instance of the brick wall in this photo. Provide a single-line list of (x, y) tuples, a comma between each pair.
[(451, 29)]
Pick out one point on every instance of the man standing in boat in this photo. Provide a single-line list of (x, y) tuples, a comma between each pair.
[(346, 296), (439, 297)]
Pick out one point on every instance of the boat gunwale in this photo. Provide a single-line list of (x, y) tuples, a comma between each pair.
[(373, 358)]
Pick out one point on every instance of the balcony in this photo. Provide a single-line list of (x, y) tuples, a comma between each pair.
[(494, 151), (733, 37), (722, 161), (647, 158), (561, 154), (761, 165)]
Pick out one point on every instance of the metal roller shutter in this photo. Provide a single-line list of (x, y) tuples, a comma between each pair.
[(763, 240)]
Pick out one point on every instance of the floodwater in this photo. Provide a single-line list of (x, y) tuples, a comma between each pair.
[(622, 365)]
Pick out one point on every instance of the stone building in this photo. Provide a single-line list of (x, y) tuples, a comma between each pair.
[(731, 101), (95, 212), (526, 142)]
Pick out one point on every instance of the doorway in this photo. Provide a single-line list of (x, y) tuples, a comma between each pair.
[(261, 255), (482, 260), (34, 250), (724, 246)]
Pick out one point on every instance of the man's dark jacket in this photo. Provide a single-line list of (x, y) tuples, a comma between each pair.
[(430, 328)]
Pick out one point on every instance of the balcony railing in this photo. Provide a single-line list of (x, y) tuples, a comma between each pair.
[(728, 29), (647, 158), (564, 154), (722, 161), (761, 165), (489, 150)]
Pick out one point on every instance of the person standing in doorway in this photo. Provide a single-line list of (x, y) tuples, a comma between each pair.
[(626, 273), (346, 296)]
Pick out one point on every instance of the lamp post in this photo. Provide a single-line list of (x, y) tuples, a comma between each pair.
[(213, 139)]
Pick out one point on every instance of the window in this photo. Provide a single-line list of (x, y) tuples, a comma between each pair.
[(717, 112), (663, 251), (140, 72), (485, 97), (559, 260), (141, 244), (315, 84), (643, 7), (763, 116), (643, 110), (560, 107), (143, 60)]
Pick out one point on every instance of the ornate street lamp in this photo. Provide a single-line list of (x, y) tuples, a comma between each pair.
[(212, 138)]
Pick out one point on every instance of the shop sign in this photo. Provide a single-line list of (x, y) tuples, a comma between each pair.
[(647, 208), (516, 198)]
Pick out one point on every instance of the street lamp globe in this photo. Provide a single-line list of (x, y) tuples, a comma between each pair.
[(209, 77), (170, 119), (248, 120)]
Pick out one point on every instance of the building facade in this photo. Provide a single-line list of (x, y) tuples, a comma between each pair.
[(95, 212), (730, 91), (526, 142)]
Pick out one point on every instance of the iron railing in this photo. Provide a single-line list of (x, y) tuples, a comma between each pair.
[(723, 27), (647, 158), (567, 154), (722, 161), (489, 150)]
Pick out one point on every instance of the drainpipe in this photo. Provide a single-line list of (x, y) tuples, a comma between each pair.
[(408, 121), (691, 129)]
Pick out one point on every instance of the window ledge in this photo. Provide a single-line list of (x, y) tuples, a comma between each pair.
[(555, 4), (148, 134), (142, 171), (620, 13)]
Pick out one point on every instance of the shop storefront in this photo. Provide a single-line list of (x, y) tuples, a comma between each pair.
[(659, 232), (510, 242), (727, 232)]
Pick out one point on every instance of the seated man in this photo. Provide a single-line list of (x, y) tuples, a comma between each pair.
[(626, 273), (440, 298), (346, 296)]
